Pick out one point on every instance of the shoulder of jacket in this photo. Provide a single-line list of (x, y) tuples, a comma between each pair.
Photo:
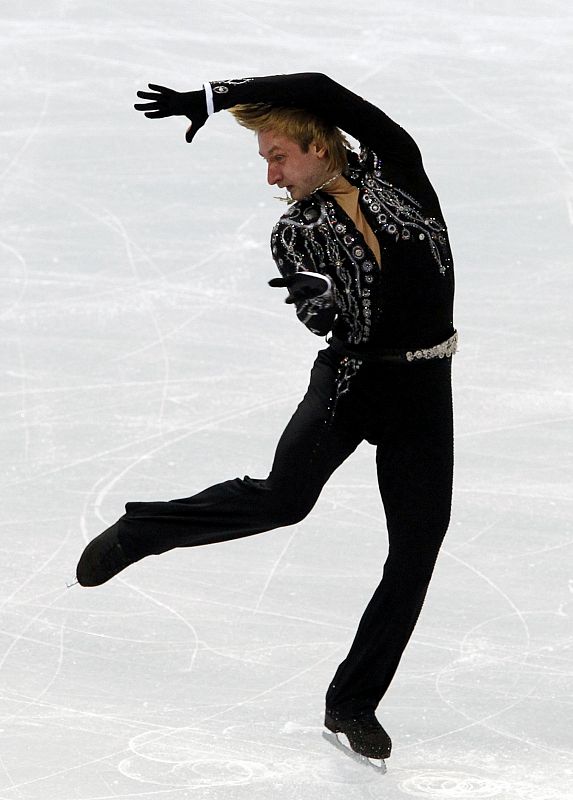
[(357, 162), (302, 214)]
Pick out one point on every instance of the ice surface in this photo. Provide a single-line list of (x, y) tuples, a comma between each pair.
[(145, 357)]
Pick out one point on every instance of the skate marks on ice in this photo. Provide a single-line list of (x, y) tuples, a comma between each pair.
[(193, 758), (459, 785), (452, 784)]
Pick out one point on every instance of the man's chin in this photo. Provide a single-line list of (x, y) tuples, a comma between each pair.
[(299, 194)]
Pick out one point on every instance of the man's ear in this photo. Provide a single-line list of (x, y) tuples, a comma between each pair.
[(320, 151)]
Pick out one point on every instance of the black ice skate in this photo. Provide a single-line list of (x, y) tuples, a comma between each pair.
[(103, 558), (365, 735)]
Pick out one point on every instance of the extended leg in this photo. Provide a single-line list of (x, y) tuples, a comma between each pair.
[(308, 452)]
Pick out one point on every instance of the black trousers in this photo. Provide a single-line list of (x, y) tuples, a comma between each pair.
[(405, 410)]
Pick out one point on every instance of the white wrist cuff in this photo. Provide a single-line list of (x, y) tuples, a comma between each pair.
[(209, 98)]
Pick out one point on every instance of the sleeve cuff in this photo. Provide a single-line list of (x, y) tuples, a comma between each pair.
[(209, 98)]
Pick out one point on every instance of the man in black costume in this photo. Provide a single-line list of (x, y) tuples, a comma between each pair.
[(363, 252)]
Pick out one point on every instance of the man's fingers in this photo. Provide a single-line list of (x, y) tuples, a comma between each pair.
[(147, 106), (157, 88), (149, 95), (298, 296), (279, 282), (157, 114), (196, 125)]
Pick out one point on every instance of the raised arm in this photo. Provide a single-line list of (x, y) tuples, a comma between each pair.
[(327, 99), (312, 91)]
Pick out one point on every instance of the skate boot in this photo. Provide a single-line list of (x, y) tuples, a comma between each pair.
[(103, 558), (364, 733)]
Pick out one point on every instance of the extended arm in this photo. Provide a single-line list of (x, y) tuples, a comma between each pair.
[(309, 90)]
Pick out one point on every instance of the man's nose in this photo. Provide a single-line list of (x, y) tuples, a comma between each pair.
[(273, 175)]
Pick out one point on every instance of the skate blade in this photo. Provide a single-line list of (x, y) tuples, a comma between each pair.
[(340, 741)]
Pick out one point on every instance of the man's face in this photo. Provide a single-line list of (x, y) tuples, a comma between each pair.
[(289, 167)]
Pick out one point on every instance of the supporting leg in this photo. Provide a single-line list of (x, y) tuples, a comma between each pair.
[(415, 464)]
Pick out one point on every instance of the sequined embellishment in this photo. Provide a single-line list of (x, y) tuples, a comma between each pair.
[(347, 369), (402, 212), (312, 236), (311, 214), (443, 350)]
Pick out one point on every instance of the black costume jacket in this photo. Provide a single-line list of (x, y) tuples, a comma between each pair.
[(407, 303)]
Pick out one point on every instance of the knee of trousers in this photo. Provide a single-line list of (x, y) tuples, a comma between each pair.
[(412, 565), (289, 507), (290, 512)]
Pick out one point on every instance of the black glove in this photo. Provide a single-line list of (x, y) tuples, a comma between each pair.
[(313, 295), (169, 103), (303, 286)]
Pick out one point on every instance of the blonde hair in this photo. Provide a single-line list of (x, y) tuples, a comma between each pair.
[(297, 124)]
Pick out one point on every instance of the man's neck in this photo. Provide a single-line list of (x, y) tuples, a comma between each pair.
[(339, 186), (329, 182)]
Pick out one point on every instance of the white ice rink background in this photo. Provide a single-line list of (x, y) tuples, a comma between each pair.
[(144, 357)]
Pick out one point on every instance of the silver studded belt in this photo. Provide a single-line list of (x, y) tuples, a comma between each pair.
[(445, 349)]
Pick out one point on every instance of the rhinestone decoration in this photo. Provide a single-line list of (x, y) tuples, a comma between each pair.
[(311, 214), (444, 350), (312, 235)]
